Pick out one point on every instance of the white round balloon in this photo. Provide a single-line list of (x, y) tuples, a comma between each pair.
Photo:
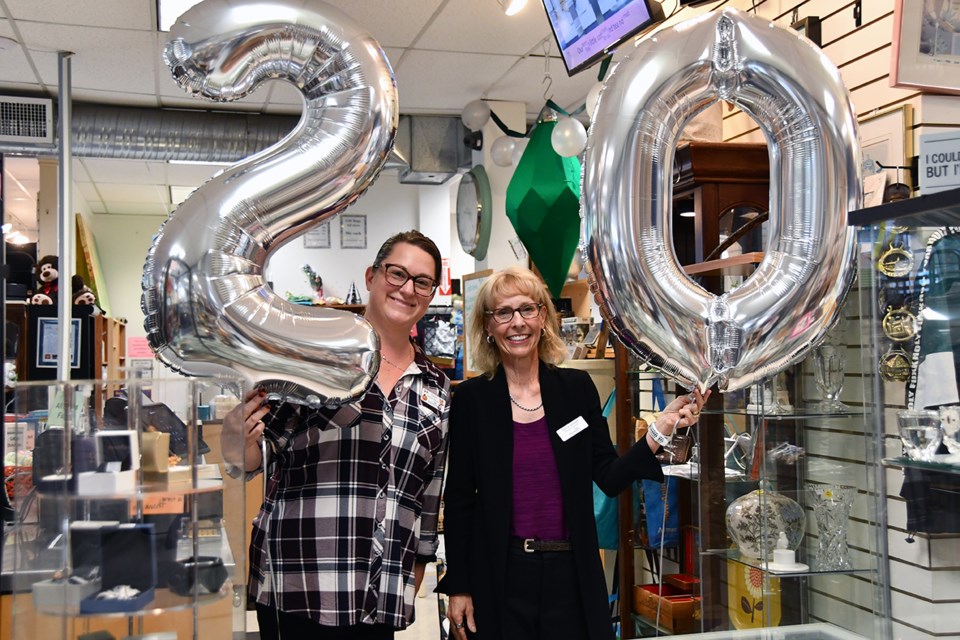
[(569, 137), (475, 115), (502, 151)]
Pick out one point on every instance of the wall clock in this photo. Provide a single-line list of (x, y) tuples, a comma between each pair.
[(474, 212)]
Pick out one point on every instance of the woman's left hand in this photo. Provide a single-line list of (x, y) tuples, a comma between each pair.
[(682, 412)]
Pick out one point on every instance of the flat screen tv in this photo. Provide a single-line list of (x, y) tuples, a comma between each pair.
[(587, 30)]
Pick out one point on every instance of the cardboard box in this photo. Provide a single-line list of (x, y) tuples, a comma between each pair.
[(679, 611)]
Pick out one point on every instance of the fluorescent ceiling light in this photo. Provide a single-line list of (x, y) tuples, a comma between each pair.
[(169, 10), (511, 7), (688, 214)]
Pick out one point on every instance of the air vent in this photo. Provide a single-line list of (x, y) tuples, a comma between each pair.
[(26, 120)]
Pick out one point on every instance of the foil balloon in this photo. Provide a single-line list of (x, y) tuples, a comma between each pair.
[(787, 305), (207, 307)]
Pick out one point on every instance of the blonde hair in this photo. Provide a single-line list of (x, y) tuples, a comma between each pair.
[(512, 281)]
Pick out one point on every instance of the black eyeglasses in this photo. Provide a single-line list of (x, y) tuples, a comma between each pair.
[(398, 276), (504, 315)]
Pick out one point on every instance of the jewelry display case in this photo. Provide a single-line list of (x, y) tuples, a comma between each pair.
[(125, 520), (910, 256), (779, 519)]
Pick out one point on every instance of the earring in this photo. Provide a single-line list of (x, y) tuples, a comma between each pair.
[(543, 332), (489, 339)]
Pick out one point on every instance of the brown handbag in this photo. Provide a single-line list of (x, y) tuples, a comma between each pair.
[(677, 451)]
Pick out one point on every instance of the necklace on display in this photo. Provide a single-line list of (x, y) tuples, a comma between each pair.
[(528, 409)]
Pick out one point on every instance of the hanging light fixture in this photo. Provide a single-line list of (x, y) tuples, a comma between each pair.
[(511, 7)]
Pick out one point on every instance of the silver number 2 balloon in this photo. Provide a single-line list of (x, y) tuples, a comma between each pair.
[(786, 306), (207, 306)]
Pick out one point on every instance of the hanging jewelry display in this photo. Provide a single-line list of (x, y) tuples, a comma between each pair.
[(895, 365), (895, 262), (899, 324)]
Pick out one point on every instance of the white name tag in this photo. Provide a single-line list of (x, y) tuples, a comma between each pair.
[(572, 428), (430, 398)]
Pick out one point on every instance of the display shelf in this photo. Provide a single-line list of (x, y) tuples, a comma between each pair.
[(934, 210), (742, 265), (130, 532), (808, 412), (757, 563), (933, 465)]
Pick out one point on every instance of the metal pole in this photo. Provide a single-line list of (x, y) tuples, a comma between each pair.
[(65, 237)]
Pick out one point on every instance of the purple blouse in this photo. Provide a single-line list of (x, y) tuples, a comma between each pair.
[(537, 498)]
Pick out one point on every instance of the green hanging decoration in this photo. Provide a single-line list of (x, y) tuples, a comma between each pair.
[(543, 204)]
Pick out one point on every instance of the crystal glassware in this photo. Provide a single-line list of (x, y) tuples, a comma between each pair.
[(919, 432), (950, 431), (829, 362), (831, 509), (755, 521)]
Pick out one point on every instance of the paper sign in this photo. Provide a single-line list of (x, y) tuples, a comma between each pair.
[(138, 347), (160, 503), (939, 162)]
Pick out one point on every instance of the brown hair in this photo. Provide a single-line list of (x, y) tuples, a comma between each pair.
[(503, 284), (415, 238)]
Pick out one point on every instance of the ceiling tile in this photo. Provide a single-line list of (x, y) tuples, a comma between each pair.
[(118, 171), (89, 192), (100, 13), (126, 64), (480, 26), (120, 207), (120, 98), (187, 175), (393, 24), (14, 67), (445, 82), (564, 90), (140, 193)]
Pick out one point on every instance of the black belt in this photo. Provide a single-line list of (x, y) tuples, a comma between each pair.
[(531, 545)]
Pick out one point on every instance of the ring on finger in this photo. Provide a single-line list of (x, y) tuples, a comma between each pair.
[(458, 625)]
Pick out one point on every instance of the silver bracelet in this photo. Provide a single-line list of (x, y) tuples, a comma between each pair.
[(658, 437)]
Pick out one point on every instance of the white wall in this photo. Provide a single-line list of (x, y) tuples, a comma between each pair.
[(389, 206)]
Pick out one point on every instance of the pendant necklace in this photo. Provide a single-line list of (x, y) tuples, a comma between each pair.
[(527, 409), (392, 364)]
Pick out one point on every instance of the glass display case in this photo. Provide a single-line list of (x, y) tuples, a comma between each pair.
[(125, 520), (910, 252), (773, 524)]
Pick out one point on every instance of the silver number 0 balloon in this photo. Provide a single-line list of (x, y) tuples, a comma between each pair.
[(786, 306), (207, 307)]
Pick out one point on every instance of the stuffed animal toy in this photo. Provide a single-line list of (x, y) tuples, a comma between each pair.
[(47, 273), (82, 294)]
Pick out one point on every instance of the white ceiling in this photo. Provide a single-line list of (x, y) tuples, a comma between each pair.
[(444, 53)]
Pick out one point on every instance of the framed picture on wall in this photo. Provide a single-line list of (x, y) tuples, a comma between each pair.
[(471, 287), (926, 45), (318, 237), (886, 146), (353, 232)]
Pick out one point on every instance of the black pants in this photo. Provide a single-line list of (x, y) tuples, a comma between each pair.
[(293, 627), (542, 597)]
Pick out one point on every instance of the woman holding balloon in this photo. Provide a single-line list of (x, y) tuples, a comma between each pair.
[(527, 440), (349, 519)]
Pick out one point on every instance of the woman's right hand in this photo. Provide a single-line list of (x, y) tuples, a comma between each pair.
[(460, 614), (244, 424)]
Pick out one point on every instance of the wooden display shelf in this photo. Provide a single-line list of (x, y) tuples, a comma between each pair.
[(742, 265)]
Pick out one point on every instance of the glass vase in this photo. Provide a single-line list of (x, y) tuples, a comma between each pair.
[(831, 509), (755, 520)]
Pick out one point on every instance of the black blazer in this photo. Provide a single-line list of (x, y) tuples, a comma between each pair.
[(478, 493)]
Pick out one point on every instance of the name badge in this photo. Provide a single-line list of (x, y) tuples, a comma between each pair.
[(432, 399), (572, 428)]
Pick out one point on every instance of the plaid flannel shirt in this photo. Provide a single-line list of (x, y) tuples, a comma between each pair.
[(352, 503)]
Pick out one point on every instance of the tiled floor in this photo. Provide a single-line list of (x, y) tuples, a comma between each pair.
[(427, 626)]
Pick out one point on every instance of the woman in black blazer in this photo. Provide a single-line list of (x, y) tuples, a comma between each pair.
[(527, 440)]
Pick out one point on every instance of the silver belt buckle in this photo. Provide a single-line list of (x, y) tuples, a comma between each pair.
[(526, 545)]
